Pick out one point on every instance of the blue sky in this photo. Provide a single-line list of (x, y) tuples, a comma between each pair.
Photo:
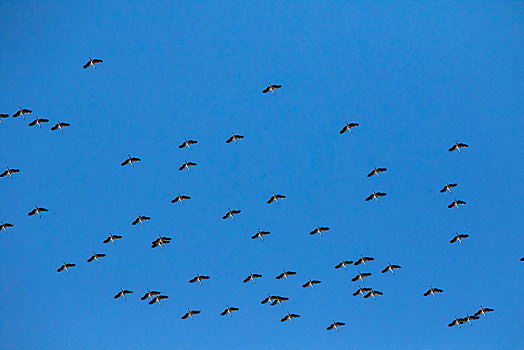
[(416, 76)]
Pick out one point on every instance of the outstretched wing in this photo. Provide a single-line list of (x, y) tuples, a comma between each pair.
[(61, 268), (32, 212), (355, 278), (127, 161), (193, 280), (247, 279), (386, 269), (33, 123), (344, 129), (229, 139), (463, 145), (182, 167), (266, 90), (381, 194), (87, 64), (55, 127), (339, 265), (271, 200), (371, 196), (331, 326), (17, 114), (96, 60), (223, 313), (371, 173), (4, 173), (137, 220), (280, 276), (91, 258), (185, 316)]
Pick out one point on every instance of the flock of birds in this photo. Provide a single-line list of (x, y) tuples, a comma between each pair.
[(157, 297)]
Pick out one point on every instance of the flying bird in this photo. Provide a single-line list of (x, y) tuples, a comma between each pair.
[(181, 199), (123, 293), (275, 198), (190, 313), (278, 300), (335, 325), (285, 274), (252, 277), (311, 283), (65, 266), (289, 317), (361, 276), (186, 165), (229, 311), (130, 160), (459, 238), (234, 138), (457, 322), (260, 234), (456, 203), (22, 112), (344, 263), (5, 225), (150, 295), (448, 187), (38, 121), (457, 146), (158, 299), (375, 195), (60, 126), (3, 116), (37, 210), (433, 291), (160, 241), (95, 256), (363, 260), (271, 88), (376, 171), (483, 311), (468, 318), (362, 291), (112, 238), (231, 214), (372, 293), (92, 62), (140, 219), (9, 172), (348, 127), (199, 279), (319, 230), (391, 268), (187, 143)]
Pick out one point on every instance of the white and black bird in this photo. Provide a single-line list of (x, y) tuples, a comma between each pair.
[(231, 214), (363, 260), (459, 238), (5, 225), (123, 293), (252, 277), (190, 313), (181, 198), (140, 219), (158, 299), (275, 198), (37, 210), (319, 230), (60, 125), (95, 256), (391, 268), (9, 172), (234, 137), (311, 283), (433, 291), (199, 279), (130, 160), (65, 266), (3, 116), (186, 165), (348, 127), (457, 322), (344, 263), (376, 171), (362, 291), (150, 294), (376, 195), (483, 311), (458, 146), (372, 293), (112, 238), (187, 143), (271, 88), (260, 234), (160, 241), (361, 276), (335, 325), (38, 121), (285, 274), (22, 112), (448, 187), (456, 203), (289, 317), (229, 310), (92, 62)]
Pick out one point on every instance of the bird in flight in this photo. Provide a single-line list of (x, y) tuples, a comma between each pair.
[(231, 214), (130, 160), (186, 165), (457, 146), (190, 313), (65, 266), (60, 126), (362, 291), (457, 322), (377, 171), (160, 241), (483, 311), (22, 112), (252, 277), (391, 268), (456, 203), (271, 88), (459, 238), (260, 234), (181, 199), (361, 276), (468, 318), (234, 138), (363, 260), (199, 279), (150, 295), (348, 127), (5, 225), (112, 238), (448, 187), (372, 293), (38, 121), (375, 195), (123, 293), (289, 317), (433, 291), (344, 263), (95, 256), (275, 198), (37, 210), (158, 299), (278, 300), (319, 230), (311, 283), (335, 325), (285, 274), (9, 172), (187, 143), (3, 116), (140, 219), (229, 310), (92, 62)]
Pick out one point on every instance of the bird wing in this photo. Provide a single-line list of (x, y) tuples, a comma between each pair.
[(366, 274), (91, 258), (285, 318), (55, 127), (305, 285), (266, 90), (61, 268), (4, 173), (453, 323), (191, 163), (314, 231), (145, 296), (381, 194), (367, 295), (145, 218), (324, 229), (339, 265), (437, 290), (381, 170), (463, 145), (316, 282), (70, 265), (356, 293), (234, 308), (255, 236), (271, 200), (451, 205), (229, 139), (427, 293), (65, 124), (96, 60), (162, 297), (331, 326), (247, 279), (453, 148), (182, 167), (256, 275), (344, 129), (125, 162), (136, 159), (43, 120), (118, 295), (226, 216), (461, 202), (33, 123), (185, 197), (378, 292), (195, 312), (290, 273), (183, 145), (386, 269), (443, 190), (100, 255), (32, 212), (193, 280), (264, 301), (464, 236), (352, 125), (359, 261), (280, 276), (137, 220), (87, 64), (371, 173), (396, 266), (43, 210), (14, 171), (452, 185), (192, 142), (17, 114), (277, 86), (280, 196), (355, 278), (370, 197), (223, 313), (185, 316), (235, 211)]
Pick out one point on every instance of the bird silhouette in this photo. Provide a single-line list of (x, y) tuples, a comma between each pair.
[(38, 121), (92, 62), (187, 143), (37, 210), (234, 138), (60, 126), (285, 274), (9, 172), (271, 88), (112, 238), (199, 278), (348, 127), (22, 112), (123, 293), (275, 198), (130, 160), (335, 325), (140, 219), (458, 146)]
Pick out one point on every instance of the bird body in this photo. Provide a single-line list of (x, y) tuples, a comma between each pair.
[(335, 325), (38, 121), (275, 198), (459, 238), (433, 291), (187, 143), (348, 127), (92, 62), (9, 172), (231, 214), (140, 219), (22, 112), (234, 137), (123, 293), (130, 160), (458, 146), (60, 126), (285, 274), (260, 234), (376, 171), (376, 195), (271, 88), (319, 230), (37, 210)]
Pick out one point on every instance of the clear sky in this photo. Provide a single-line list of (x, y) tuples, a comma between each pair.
[(416, 76)]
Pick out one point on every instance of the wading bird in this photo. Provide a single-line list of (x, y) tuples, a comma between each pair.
[(375, 195), (363, 260), (433, 291), (361, 290), (344, 263), (140, 219), (311, 283), (130, 160), (60, 126), (271, 88), (319, 230), (260, 234), (123, 293), (372, 293), (186, 165), (22, 112), (190, 313), (158, 299), (92, 62), (457, 146), (234, 138), (37, 210), (348, 127), (112, 238), (150, 294), (181, 199), (231, 214), (289, 317), (468, 318), (448, 187), (160, 241), (38, 121), (456, 203), (95, 256), (65, 266), (285, 274), (335, 325), (5, 225), (483, 311), (459, 238), (252, 277), (391, 268), (187, 143), (9, 172), (275, 198), (229, 311), (199, 279), (376, 171), (457, 322), (361, 276), (3, 116)]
